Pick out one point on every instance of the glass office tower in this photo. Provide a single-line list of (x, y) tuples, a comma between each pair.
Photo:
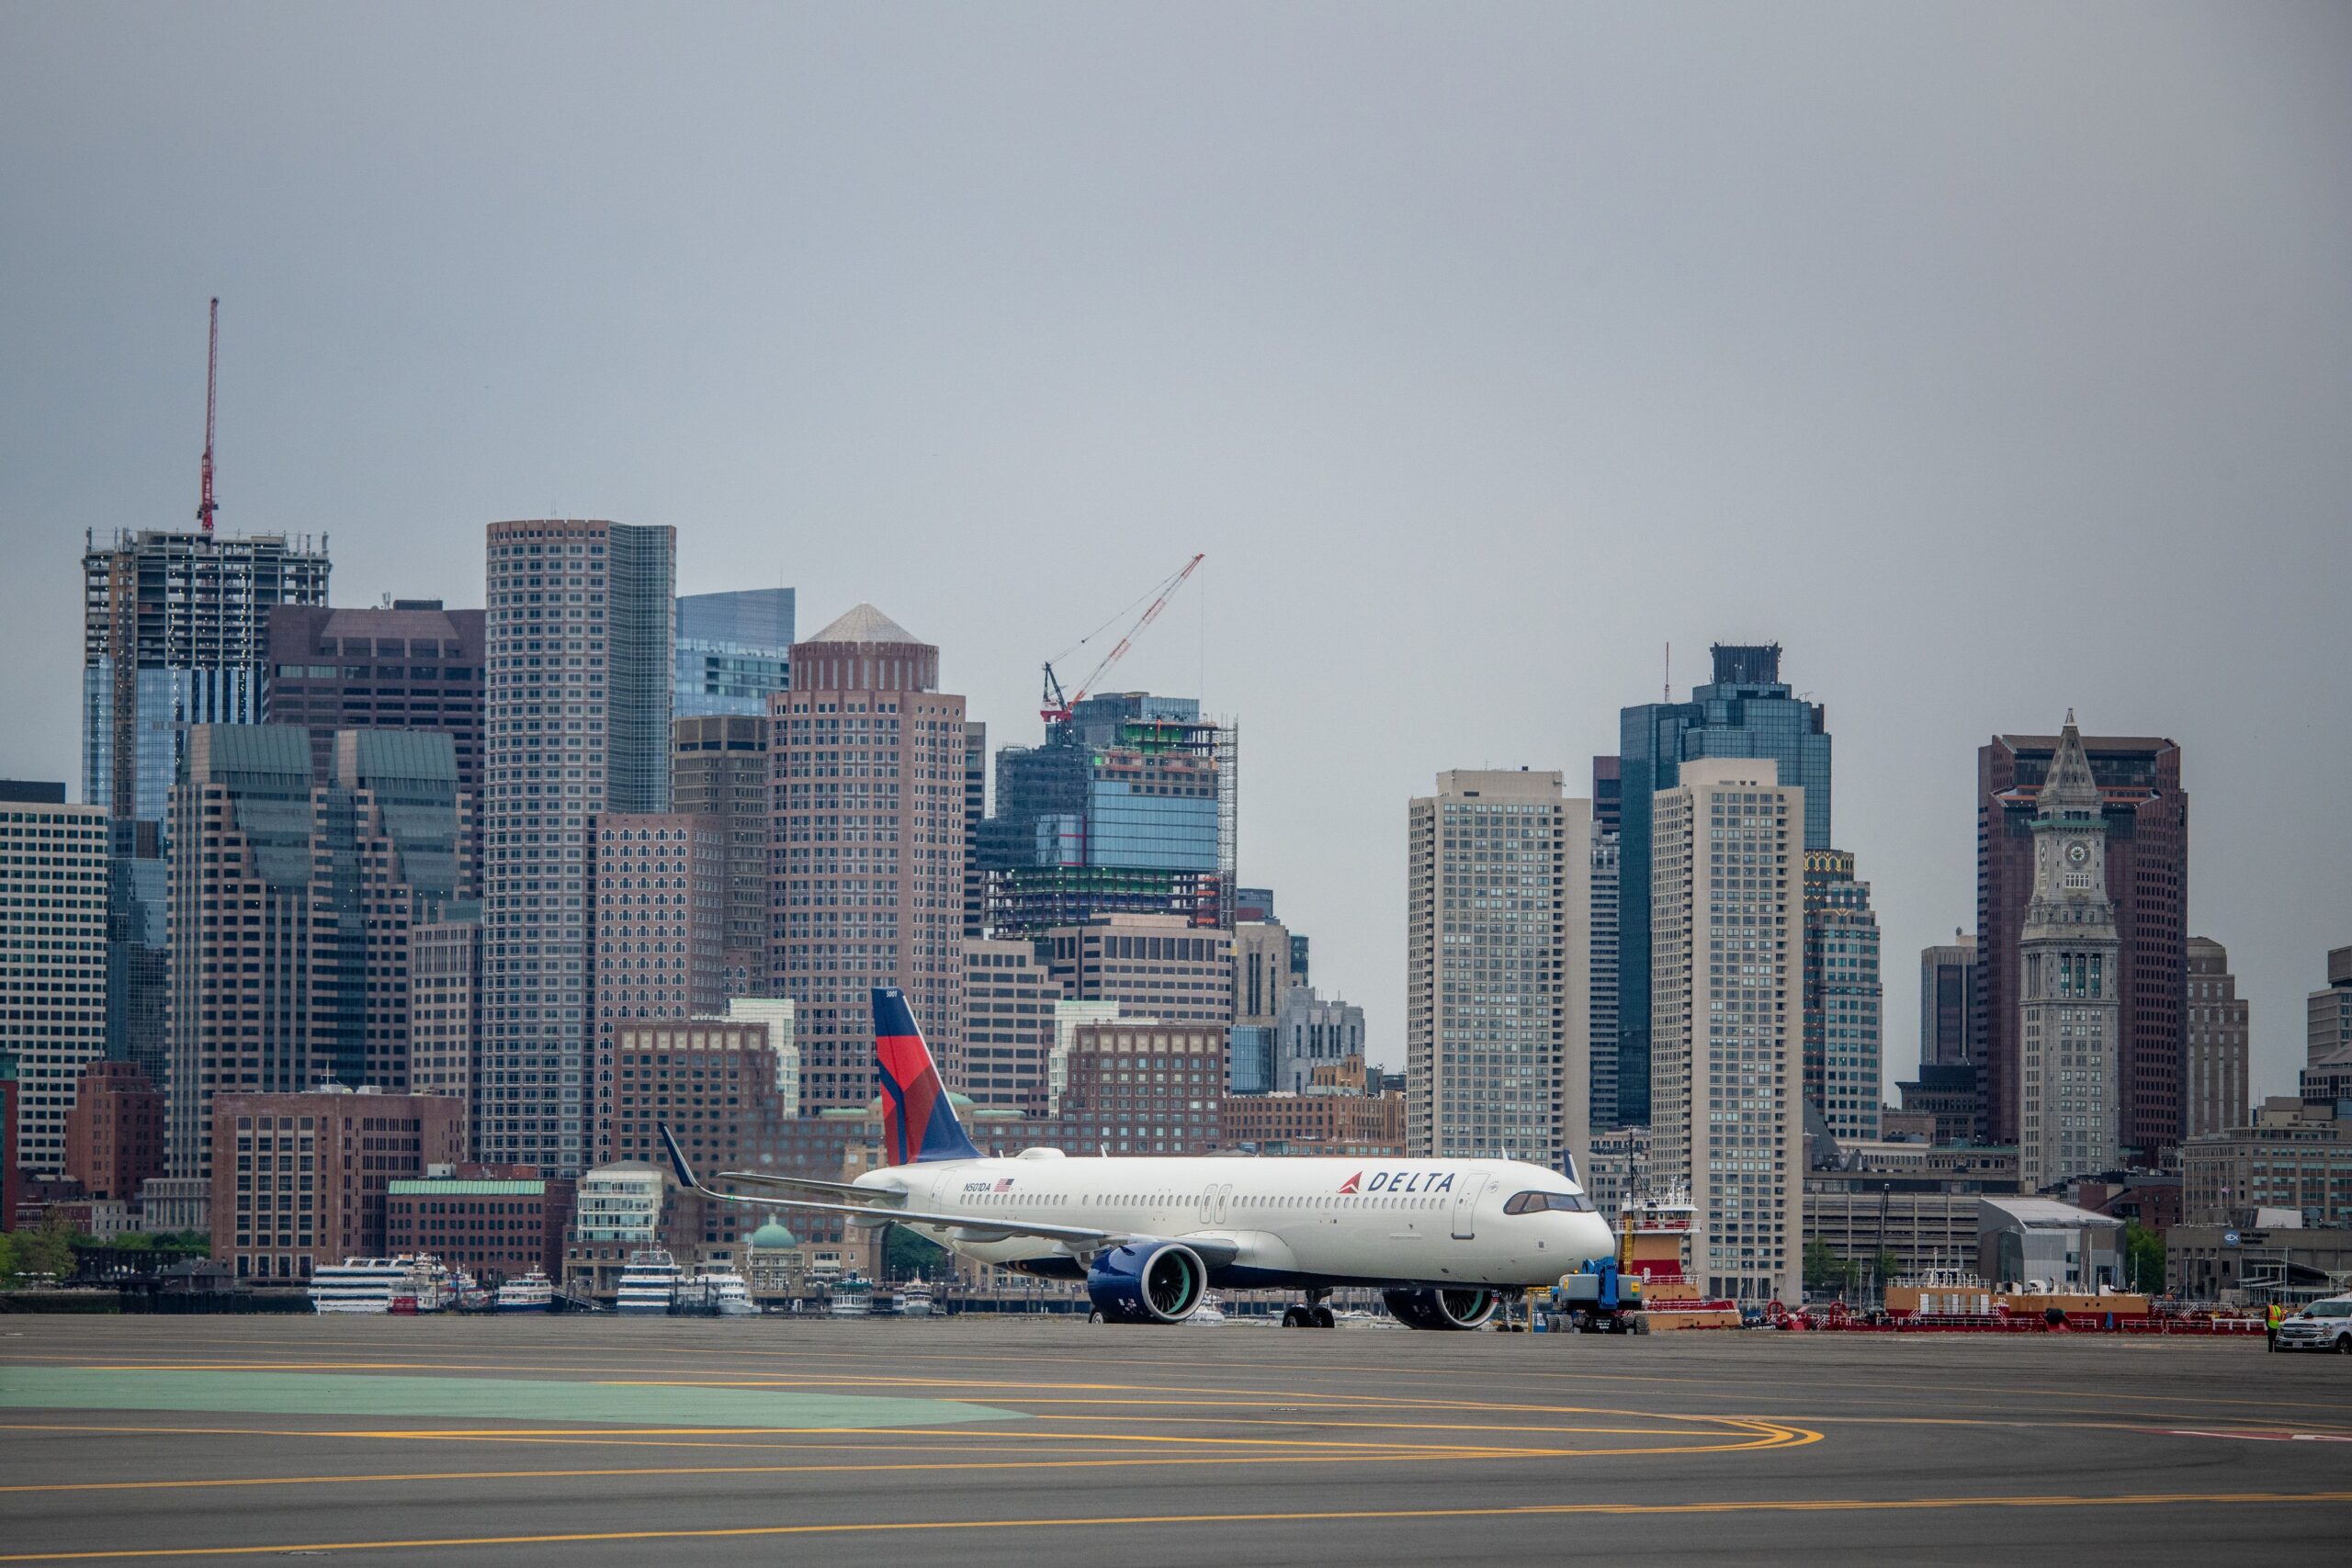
[(732, 651), (1746, 711)]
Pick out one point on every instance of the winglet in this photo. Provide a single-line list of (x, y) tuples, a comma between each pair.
[(678, 1159)]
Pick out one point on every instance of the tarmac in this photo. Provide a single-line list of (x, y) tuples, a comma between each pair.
[(588, 1441)]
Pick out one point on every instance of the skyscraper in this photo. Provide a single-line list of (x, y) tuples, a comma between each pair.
[(975, 811), (580, 658), (1746, 711), (52, 958), (2326, 1078), (2215, 1086), (719, 770), (175, 632), (1843, 997), (1950, 1031), (2146, 816), (1130, 808), (1159, 966), (1727, 971), (413, 666), (1498, 950), (732, 651), (2069, 1009), (866, 848), (292, 910), (1608, 820)]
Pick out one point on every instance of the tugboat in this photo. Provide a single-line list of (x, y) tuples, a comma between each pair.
[(648, 1284)]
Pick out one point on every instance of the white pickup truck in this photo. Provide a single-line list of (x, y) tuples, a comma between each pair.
[(2322, 1325)]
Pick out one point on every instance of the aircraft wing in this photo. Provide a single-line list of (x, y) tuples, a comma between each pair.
[(846, 1190)]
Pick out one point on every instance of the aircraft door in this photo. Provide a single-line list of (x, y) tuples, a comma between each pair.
[(1465, 1204), (1224, 1195)]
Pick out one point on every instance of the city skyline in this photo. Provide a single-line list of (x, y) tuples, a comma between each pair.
[(1540, 430)]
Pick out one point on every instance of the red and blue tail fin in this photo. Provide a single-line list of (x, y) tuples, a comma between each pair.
[(917, 1123)]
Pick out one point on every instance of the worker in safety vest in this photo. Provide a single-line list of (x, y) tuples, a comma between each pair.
[(2272, 1317)]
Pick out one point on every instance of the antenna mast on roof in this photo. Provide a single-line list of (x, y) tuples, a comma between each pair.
[(204, 507)]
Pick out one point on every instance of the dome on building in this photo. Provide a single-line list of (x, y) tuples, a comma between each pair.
[(774, 1237)]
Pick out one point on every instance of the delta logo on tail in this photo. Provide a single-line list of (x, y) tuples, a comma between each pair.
[(917, 1123)]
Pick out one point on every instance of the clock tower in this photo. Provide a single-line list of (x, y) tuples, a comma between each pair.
[(2070, 1017)]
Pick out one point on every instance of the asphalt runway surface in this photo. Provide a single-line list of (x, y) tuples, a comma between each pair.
[(589, 1442)]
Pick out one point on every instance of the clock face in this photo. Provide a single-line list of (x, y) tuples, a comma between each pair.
[(2078, 851)]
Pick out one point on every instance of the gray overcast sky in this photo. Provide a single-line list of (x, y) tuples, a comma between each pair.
[(1994, 358)]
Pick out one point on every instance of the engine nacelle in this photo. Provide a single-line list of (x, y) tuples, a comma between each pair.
[(1147, 1282), (1442, 1307)]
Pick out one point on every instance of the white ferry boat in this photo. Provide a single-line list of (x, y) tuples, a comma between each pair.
[(914, 1299), (532, 1292), (409, 1283), (716, 1292), (648, 1284), (853, 1296)]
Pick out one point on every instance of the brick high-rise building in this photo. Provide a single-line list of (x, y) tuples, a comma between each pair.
[(719, 768), (174, 633), (2214, 1077), (291, 912), (579, 650), (413, 666), (1146, 1089), (2145, 813), (867, 847), (1727, 1064), (301, 1178), (1498, 969), (657, 890), (114, 1134), (53, 903)]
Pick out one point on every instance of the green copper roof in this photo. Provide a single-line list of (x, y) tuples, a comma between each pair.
[(478, 1186)]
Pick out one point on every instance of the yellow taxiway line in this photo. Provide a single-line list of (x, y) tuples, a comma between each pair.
[(1317, 1515)]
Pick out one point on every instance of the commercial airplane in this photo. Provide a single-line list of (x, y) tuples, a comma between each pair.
[(1150, 1235)]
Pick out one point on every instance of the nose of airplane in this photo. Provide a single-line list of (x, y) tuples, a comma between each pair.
[(1594, 1237)]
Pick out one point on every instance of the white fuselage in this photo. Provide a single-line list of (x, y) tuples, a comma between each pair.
[(1372, 1220)]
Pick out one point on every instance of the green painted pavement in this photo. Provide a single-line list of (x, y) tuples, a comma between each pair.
[(496, 1399)]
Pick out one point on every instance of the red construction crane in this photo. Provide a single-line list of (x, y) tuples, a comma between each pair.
[(204, 507), (1057, 707)]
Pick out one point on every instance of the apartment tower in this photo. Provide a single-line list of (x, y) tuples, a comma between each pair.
[(1496, 970), (1727, 969), (54, 881), (579, 646)]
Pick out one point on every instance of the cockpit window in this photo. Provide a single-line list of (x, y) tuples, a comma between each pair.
[(1536, 1202)]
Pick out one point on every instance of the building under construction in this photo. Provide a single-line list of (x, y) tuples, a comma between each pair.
[(1128, 807)]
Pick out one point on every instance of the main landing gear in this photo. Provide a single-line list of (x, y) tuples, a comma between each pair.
[(1314, 1314)]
